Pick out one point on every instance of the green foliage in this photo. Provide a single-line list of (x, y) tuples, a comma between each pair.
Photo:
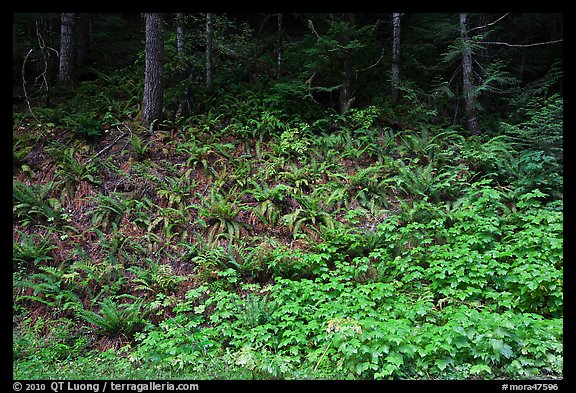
[(220, 213), (51, 286), (84, 123), (490, 158), (31, 249), (65, 342), (20, 149), (108, 209), (156, 278), (116, 318), (292, 143), (540, 126), (270, 200), (139, 145), (537, 170), (32, 203), (71, 170), (312, 212), (263, 235), (176, 344)]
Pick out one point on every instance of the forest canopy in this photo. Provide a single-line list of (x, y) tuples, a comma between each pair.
[(288, 196)]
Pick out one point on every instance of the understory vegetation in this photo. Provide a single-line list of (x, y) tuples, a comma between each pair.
[(266, 236)]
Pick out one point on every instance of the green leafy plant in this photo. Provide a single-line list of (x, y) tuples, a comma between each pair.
[(175, 189), (271, 200), (156, 278), (491, 157), (71, 171), (537, 170), (428, 181), (32, 249), (176, 344), (311, 212), (66, 341), (52, 287), (109, 209), (85, 123), (291, 141), (220, 213), (139, 145), (116, 318), (20, 149), (32, 203), (539, 124)]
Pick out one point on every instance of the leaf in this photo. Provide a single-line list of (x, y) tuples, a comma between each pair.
[(395, 358), (246, 357), (442, 363), (479, 368)]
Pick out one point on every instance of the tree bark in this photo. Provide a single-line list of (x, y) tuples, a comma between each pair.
[(153, 78), (66, 66), (279, 44), (468, 75), (180, 37), (346, 86), (395, 55), (209, 34)]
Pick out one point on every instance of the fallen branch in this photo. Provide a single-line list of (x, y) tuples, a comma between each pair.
[(107, 147)]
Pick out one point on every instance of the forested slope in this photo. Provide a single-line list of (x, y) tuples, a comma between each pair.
[(309, 213)]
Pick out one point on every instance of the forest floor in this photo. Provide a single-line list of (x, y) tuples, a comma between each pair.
[(261, 247)]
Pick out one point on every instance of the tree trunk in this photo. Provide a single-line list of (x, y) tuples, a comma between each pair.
[(153, 78), (209, 34), (180, 37), (185, 105), (346, 86), (468, 77), (66, 48), (279, 44), (395, 55)]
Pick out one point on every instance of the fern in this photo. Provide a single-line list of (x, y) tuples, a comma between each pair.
[(108, 209), (70, 169), (270, 200), (541, 127), (140, 147), (427, 181), (32, 248), (49, 288), (312, 211), (175, 189), (156, 278), (113, 318), (220, 213), (256, 310), (31, 202), (491, 158), (20, 149)]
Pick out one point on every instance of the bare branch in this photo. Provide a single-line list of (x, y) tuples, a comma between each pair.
[(311, 27), (489, 24), (375, 64), (24, 84), (522, 45)]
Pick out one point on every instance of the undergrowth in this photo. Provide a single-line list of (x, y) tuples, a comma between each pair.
[(248, 245)]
